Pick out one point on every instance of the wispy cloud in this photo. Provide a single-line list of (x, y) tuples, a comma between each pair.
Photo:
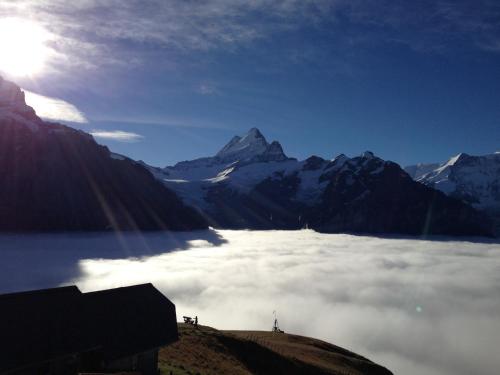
[(117, 135), (429, 26), (53, 108), (167, 121), (93, 33), (88, 31), (207, 88)]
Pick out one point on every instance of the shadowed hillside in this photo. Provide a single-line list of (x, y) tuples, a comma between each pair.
[(208, 351), (56, 178)]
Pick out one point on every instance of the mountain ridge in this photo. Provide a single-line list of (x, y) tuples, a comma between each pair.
[(56, 178), (343, 194), (59, 178), (249, 148), (472, 179)]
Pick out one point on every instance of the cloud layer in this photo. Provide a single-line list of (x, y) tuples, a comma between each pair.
[(93, 33), (117, 135), (417, 307), (53, 108)]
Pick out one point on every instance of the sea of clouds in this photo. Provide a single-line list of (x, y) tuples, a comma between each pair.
[(415, 306)]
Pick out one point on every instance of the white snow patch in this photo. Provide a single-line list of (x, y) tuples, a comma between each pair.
[(310, 187)]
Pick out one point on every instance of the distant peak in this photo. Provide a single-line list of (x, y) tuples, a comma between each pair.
[(368, 155), (313, 163), (337, 162), (254, 133), (462, 155), (252, 146), (457, 158), (340, 157), (275, 144), (275, 148)]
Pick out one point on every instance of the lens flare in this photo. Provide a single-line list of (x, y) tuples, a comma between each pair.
[(23, 49)]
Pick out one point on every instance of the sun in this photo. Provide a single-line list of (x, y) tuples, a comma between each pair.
[(23, 49)]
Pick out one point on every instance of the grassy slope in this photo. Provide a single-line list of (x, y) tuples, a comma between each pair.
[(208, 351)]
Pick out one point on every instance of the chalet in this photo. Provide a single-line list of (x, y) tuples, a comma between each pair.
[(62, 331)]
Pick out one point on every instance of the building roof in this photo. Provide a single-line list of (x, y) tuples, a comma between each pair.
[(140, 317), (43, 325)]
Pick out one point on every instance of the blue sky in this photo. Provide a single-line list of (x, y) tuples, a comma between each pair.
[(165, 81)]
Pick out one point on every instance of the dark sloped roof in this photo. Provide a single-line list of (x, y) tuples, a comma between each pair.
[(38, 325), (128, 313), (42, 325)]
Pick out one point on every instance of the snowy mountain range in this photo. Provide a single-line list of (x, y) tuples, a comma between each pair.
[(58, 178), (472, 179), (251, 183)]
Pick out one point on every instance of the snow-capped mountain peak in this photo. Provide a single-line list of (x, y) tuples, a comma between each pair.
[(456, 159), (230, 145), (254, 133), (251, 147), (473, 179), (346, 194), (368, 155), (243, 148)]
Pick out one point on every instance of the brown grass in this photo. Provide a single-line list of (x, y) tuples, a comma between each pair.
[(208, 351)]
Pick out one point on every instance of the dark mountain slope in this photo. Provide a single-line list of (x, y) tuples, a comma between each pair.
[(378, 199), (55, 178)]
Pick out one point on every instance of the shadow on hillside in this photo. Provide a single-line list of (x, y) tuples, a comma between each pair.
[(261, 360), (37, 261)]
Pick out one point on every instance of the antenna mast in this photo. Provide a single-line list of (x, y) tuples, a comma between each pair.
[(276, 327)]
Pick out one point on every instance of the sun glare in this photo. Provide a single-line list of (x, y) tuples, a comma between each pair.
[(23, 50)]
